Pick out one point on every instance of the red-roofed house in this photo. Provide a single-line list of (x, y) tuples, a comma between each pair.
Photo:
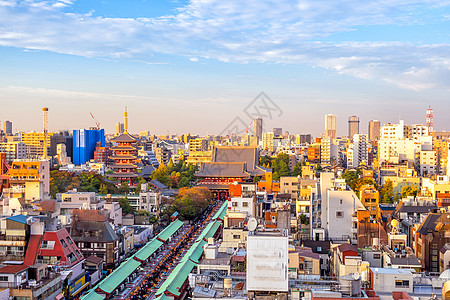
[(58, 248)]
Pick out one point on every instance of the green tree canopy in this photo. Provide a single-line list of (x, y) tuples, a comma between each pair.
[(125, 205), (297, 169), (410, 190), (62, 181), (387, 192)]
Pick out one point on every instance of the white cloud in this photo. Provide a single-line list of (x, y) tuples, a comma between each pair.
[(269, 31)]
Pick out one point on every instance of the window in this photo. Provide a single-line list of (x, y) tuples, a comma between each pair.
[(3, 278), (339, 214), (402, 283), (63, 243), (377, 256), (340, 201), (319, 249), (234, 204), (70, 240), (244, 204), (236, 236)]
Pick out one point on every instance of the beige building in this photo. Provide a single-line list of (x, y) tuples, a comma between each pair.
[(198, 144), (233, 237), (298, 188), (369, 197), (303, 261), (427, 163)]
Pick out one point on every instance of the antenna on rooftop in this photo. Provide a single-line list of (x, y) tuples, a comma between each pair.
[(430, 120), (45, 110)]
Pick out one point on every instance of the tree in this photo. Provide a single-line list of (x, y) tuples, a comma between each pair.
[(125, 205), (319, 168), (184, 182), (142, 212), (410, 190), (103, 190), (124, 188), (350, 178), (265, 161), (61, 181), (280, 166), (140, 181), (303, 219), (297, 169), (162, 175), (191, 201), (387, 192)]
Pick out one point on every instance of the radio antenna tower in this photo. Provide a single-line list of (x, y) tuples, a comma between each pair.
[(45, 110), (430, 120)]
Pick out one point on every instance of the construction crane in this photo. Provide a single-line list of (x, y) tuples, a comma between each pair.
[(96, 122), (250, 125), (45, 110)]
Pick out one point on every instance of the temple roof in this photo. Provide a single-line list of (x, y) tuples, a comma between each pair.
[(247, 155), (123, 157), (223, 169), (124, 148), (123, 166), (124, 175), (124, 137)]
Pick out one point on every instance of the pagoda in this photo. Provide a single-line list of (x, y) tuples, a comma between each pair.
[(124, 157)]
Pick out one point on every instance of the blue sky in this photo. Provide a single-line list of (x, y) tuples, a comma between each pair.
[(193, 66)]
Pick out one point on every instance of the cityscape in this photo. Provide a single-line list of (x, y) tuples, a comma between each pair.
[(265, 214), (224, 149)]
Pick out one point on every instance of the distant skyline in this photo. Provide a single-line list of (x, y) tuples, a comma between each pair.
[(193, 66)]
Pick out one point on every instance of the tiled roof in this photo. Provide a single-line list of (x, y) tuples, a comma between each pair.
[(223, 169), (94, 259), (12, 269), (429, 223), (124, 137), (347, 247), (158, 184)]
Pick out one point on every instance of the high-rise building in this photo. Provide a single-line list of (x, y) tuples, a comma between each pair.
[(258, 128), (360, 153), (330, 126), (267, 139), (374, 130), (7, 127), (353, 126), (84, 144), (119, 128), (277, 131)]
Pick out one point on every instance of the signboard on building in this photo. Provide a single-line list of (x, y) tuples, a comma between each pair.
[(267, 263)]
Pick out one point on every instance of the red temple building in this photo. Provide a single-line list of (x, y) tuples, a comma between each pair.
[(125, 157), (228, 166)]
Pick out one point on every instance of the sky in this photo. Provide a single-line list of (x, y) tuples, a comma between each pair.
[(198, 66)]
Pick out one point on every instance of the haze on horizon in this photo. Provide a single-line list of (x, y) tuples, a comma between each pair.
[(193, 66)]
